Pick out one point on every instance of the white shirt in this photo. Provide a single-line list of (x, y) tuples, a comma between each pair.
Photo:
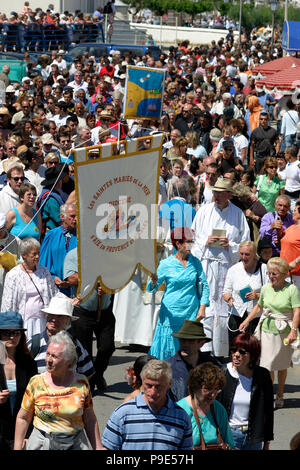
[(59, 120), (218, 108), (292, 172), (95, 134), (282, 174), (207, 195), (289, 123), (83, 85), (231, 219), (8, 199), (239, 413), (240, 142), (35, 179), (238, 278), (61, 65)]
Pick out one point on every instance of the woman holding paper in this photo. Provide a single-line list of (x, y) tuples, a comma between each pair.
[(242, 287), (186, 293)]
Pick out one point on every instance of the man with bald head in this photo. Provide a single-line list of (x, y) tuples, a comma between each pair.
[(4, 75), (186, 121)]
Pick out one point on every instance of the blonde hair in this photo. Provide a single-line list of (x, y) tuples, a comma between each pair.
[(279, 263), (268, 161), (193, 139), (50, 156)]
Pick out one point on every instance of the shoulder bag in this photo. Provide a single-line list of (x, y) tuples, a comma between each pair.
[(203, 446)]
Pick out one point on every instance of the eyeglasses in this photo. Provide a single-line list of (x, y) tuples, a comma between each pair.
[(12, 148), (9, 333), (272, 166), (18, 178), (213, 391), (241, 351)]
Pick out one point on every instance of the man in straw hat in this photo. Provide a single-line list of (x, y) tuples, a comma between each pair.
[(219, 228), (59, 315), (191, 338), (104, 119)]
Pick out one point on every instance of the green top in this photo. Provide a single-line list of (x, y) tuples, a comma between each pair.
[(268, 191), (279, 301)]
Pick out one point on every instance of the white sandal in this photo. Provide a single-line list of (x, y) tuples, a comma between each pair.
[(279, 402)]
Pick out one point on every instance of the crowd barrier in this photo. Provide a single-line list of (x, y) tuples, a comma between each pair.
[(36, 37)]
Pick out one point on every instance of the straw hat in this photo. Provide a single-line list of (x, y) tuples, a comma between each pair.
[(105, 114), (223, 184)]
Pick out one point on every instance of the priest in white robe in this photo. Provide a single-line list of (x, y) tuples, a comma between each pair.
[(219, 229)]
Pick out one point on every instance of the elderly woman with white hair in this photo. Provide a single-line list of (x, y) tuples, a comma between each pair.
[(60, 403), (28, 287)]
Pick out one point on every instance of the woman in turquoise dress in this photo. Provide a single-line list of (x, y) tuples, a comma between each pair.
[(18, 218), (186, 293)]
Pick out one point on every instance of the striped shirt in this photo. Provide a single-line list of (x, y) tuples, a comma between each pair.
[(84, 362), (135, 426)]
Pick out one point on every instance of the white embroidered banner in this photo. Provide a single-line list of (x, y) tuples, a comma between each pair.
[(117, 212)]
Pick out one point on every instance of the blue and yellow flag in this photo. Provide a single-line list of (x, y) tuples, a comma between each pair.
[(144, 93)]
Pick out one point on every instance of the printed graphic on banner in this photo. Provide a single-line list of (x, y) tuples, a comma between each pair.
[(117, 214), (144, 92)]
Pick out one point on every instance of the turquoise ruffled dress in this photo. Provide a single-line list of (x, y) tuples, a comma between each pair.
[(181, 301)]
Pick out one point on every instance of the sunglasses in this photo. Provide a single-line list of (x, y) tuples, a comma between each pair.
[(12, 148), (9, 333), (273, 167), (241, 351), (18, 178)]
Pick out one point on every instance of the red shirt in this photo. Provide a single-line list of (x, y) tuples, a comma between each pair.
[(104, 70)]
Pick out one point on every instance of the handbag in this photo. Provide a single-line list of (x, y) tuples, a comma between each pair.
[(203, 446)]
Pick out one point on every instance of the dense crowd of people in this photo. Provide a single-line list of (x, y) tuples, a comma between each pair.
[(223, 308), (38, 29)]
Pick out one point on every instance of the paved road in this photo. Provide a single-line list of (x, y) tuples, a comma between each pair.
[(287, 420)]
